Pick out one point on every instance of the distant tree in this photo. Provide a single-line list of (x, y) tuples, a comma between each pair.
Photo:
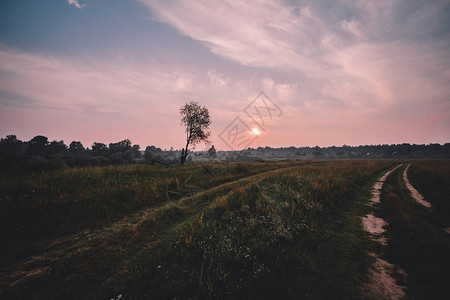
[(340, 153), (136, 152), (38, 145), (121, 146), (152, 149), (76, 147), (389, 150), (10, 144), (446, 148), (317, 152), (196, 119), (212, 152), (434, 148), (149, 155), (57, 147), (405, 149), (152, 154), (171, 153), (99, 149), (10, 139), (128, 156)]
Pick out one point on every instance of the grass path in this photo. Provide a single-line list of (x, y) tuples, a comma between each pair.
[(432, 179)]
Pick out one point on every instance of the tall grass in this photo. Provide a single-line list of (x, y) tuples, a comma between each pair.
[(432, 180), (256, 230), (41, 205), (283, 235)]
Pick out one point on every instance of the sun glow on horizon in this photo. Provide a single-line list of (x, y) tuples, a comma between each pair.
[(255, 132)]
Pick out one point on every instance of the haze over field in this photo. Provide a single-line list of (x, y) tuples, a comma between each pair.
[(342, 72)]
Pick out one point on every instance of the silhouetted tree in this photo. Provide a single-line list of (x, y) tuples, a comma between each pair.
[(212, 152), (56, 147), (99, 149), (121, 146), (317, 152), (152, 148), (196, 119), (152, 154), (148, 155), (136, 152), (10, 144), (38, 145), (405, 149), (76, 147)]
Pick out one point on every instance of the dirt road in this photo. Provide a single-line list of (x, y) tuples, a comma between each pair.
[(381, 272)]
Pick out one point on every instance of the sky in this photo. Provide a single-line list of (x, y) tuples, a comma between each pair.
[(299, 73)]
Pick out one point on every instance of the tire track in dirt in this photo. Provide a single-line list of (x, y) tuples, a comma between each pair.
[(382, 282), (418, 196), (414, 193)]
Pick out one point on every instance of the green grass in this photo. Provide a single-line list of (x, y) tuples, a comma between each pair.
[(281, 236), (256, 230), (34, 207), (432, 180), (416, 241)]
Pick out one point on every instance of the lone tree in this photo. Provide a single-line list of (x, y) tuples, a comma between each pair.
[(212, 152), (196, 119)]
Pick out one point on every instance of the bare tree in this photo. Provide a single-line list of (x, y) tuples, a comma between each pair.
[(196, 119)]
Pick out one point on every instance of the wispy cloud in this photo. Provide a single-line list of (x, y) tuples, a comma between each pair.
[(76, 3), (251, 33), (366, 57), (106, 100)]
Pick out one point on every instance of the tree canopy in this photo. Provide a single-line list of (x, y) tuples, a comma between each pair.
[(196, 119)]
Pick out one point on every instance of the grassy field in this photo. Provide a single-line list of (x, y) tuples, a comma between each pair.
[(34, 207), (432, 179), (238, 230)]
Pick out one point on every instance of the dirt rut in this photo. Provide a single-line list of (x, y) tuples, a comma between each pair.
[(383, 283), (414, 193)]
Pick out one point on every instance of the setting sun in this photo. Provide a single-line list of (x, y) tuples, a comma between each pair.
[(255, 132)]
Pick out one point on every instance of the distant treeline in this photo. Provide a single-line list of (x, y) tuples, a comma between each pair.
[(404, 150), (39, 154)]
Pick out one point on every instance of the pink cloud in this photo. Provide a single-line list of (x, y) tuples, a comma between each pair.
[(76, 3), (355, 66), (106, 101)]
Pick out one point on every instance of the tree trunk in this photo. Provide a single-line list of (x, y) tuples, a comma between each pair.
[(183, 157), (184, 152)]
